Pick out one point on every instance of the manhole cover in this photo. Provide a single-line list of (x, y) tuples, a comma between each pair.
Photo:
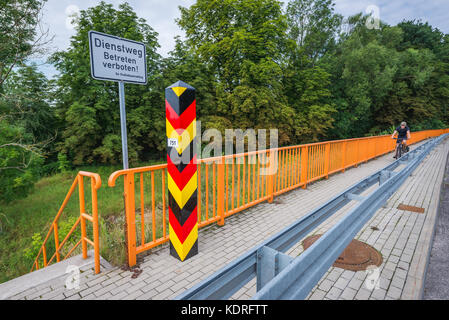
[(410, 208), (356, 257)]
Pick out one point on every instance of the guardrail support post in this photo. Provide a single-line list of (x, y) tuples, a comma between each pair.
[(130, 218), (343, 156), (82, 210), (269, 264), (221, 191), (384, 176), (304, 163), (272, 169), (44, 252), (95, 226), (365, 151), (56, 235), (327, 159)]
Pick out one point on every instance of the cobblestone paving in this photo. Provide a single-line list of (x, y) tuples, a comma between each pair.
[(402, 239)]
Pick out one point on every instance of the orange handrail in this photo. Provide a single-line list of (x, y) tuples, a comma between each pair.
[(231, 190), (79, 181)]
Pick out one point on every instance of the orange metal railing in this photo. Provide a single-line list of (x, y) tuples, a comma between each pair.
[(41, 258), (230, 184)]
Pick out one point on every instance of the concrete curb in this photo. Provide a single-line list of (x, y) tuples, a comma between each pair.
[(44, 275), (415, 282), (439, 210)]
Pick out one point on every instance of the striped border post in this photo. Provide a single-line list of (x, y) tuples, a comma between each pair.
[(180, 107)]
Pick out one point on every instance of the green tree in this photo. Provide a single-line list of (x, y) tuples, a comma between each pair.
[(28, 93), (363, 72), (313, 25), (19, 36), (242, 42), (23, 110), (27, 131), (20, 162), (419, 35), (308, 92), (382, 77), (427, 49)]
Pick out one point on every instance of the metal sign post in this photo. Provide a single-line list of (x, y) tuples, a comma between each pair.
[(121, 60), (121, 92)]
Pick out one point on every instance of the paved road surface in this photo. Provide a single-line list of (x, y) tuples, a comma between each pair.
[(437, 278)]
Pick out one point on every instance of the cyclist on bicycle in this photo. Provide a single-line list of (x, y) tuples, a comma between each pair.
[(403, 132)]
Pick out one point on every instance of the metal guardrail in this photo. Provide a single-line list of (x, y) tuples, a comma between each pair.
[(280, 276)]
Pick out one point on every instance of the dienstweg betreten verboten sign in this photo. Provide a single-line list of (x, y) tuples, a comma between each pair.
[(117, 59)]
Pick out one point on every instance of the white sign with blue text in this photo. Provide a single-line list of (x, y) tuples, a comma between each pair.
[(117, 59)]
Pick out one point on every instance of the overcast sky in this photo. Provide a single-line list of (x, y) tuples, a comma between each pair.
[(161, 15)]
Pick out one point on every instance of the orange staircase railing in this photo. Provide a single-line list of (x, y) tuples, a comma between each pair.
[(41, 259)]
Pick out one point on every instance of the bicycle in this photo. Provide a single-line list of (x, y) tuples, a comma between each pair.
[(401, 148)]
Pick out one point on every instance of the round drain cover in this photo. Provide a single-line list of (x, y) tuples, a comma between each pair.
[(356, 257)]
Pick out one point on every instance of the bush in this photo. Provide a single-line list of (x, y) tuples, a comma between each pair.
[(31, 252), (63, 163)]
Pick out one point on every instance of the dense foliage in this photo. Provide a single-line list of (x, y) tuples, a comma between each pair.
[(26, 119), (297, 67)]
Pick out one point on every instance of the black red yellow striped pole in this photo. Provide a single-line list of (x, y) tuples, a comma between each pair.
[(180, 107)]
